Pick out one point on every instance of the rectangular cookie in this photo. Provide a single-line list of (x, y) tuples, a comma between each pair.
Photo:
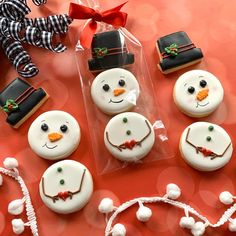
[(20, 100), (176, 51)]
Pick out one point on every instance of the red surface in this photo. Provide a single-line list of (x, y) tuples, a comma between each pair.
[(212, 26)]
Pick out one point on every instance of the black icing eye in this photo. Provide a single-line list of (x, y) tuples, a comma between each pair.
[(106, 87), (191, 89), (44, 127), (122, 83), (203, 83), (63, 128)]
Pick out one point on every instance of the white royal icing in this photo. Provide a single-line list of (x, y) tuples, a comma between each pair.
[(109, 100), (76, 177), (189, 103), (199, 134), (118, 136), (44, 145)]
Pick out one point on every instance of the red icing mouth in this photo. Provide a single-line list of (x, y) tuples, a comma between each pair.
[(130, 144), (205, 152), (63, 195)]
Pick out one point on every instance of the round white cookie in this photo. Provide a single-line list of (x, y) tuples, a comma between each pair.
[(205, 146), (66, 186), (115, 91), (54, 135), (197, 93), (129, 136)]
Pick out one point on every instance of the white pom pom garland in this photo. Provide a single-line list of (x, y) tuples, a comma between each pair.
[(198, 229), (118, 230), (187, 222), (226, 198), (18, 226), (144, 213), (173, 191), (16, 207), (232, 225), (106, 206), (10, 163)]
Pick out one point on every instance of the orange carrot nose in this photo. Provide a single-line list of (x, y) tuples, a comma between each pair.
[(118, 91), (53, 137), (202, 94)]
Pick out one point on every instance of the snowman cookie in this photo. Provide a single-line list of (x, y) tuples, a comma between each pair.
[(197, 93), (205, 146), (54, 135), (129, 136), (115, 91), (66, 186)]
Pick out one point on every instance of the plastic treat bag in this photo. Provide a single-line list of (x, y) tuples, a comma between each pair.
[(115, 80)]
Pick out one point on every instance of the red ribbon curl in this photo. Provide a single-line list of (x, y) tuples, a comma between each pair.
[(112, 16)]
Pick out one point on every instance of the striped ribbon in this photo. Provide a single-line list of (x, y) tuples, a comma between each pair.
[(16, 28)]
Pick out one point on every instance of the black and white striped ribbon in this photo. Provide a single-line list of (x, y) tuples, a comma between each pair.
[(15, 29)]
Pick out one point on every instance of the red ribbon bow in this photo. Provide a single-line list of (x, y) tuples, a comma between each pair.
[(112, 16)]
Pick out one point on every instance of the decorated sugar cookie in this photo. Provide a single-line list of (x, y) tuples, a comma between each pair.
[(19, 100), (177, 51), (66, 186), (198, 93), (115, 90), (129, 136), (109, 50), (205, 146), (54, 135)]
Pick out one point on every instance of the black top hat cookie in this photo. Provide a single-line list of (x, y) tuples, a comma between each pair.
[(20, 100), (109, 51), (177, 51)]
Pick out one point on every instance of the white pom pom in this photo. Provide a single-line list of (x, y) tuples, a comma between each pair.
[(232, 225), (198, 229), (143, 214), (1, 180), (226, 198), (16, 207), (18, 226), (187, 222), (106, 206), (118, 230), (173, 191), (10, 163)]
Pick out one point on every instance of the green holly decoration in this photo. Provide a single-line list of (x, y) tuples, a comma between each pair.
[(10, 106), (172, 49), (101, 52)]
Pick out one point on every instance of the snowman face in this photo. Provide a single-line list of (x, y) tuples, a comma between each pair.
[(129, 136), (198, 93), (54, 135), (115, 90), (66, 186), (206, 146)]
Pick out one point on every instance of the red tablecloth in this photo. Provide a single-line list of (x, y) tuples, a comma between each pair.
[(212, 26)]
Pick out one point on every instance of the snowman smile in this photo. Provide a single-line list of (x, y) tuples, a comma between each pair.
[(45, 145), (201, 105), (116, 101)]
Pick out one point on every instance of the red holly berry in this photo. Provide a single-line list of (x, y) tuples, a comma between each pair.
[(9, 106)]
